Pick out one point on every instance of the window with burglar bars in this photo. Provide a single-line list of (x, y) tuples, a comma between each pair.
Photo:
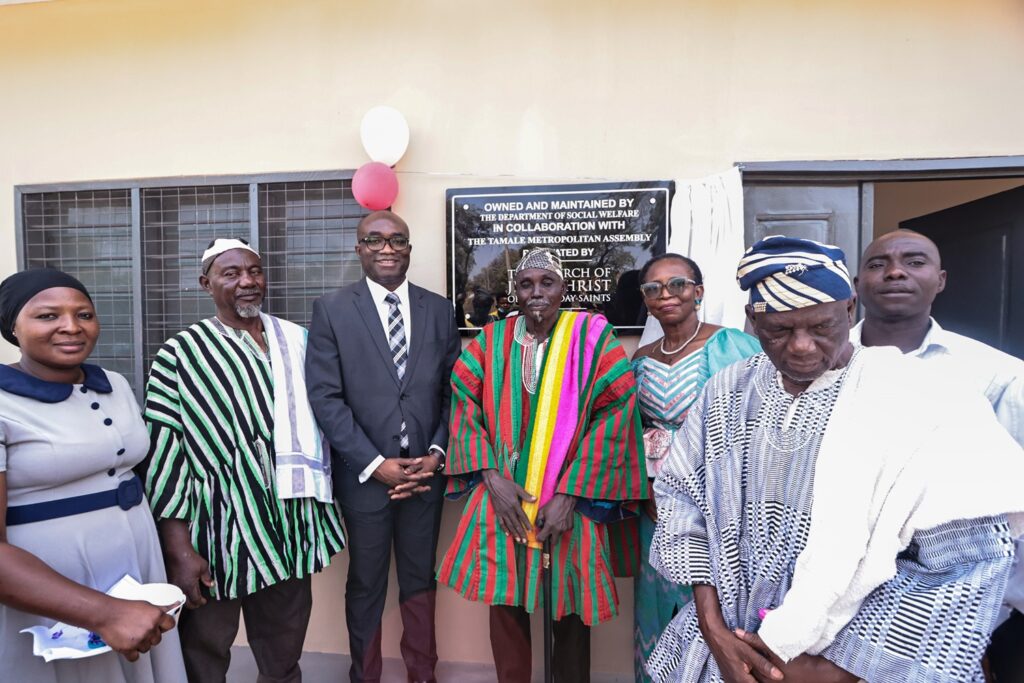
[(178, 224), (307, 241), (89, 234), (112, 238)]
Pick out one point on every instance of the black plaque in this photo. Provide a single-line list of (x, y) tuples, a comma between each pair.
[(604, 233)]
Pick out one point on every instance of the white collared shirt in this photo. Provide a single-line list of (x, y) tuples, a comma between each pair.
[(379, 294), (973, 366)]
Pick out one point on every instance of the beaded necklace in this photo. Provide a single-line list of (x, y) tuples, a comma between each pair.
[(533, 354)]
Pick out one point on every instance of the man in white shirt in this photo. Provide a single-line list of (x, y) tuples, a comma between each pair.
[(900, 276), (378, 368)]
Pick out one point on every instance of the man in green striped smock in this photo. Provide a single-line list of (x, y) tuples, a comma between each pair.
[(237, 477)]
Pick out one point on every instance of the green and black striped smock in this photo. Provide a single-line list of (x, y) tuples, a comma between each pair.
[(210, 413)]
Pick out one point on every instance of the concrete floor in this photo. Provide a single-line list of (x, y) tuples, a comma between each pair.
[(318, 667)]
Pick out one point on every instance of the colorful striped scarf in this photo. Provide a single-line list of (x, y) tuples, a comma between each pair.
[(555, 419)]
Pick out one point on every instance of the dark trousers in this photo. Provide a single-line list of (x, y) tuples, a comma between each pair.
[(411, 527), (510, 643), (1006, 652), (275, 624)]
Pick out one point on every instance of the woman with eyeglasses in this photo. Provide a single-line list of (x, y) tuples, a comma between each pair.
[(73, 519), (670, 372)]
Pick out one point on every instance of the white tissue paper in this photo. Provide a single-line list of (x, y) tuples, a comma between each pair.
[(63, 641)]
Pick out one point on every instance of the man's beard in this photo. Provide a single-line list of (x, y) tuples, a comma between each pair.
[(248, 310)]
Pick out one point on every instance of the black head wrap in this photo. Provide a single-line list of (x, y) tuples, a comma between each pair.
[(16, 291)]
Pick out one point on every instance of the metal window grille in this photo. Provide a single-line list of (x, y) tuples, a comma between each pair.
[(178, 224), (137, 247), (88, 234), (307, 240)]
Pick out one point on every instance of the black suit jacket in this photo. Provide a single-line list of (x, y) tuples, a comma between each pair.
[(357, 397)]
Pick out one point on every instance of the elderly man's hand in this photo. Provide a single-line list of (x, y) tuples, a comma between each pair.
[(507, 497), (737, 660), (555, 518), (186, 569), (803, 669)]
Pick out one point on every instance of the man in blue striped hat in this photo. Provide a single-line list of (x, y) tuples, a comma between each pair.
[(786, 273), (800, 293), (817, 500)]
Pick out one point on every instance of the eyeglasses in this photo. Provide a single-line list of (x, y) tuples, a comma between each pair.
[(396, 242), (675, 286)]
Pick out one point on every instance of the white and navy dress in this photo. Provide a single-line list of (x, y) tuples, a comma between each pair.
[(60, 441)]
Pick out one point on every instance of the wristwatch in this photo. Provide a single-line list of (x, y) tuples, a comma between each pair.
[(442, 459)]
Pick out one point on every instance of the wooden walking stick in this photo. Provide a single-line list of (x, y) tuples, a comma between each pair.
[(548, 611)]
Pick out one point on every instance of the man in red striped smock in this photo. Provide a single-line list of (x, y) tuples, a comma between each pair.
[(546, 440)]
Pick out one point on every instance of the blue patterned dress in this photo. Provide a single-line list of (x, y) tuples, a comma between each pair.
[(665, 394)]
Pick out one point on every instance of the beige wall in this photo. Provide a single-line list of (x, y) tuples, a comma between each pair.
[(495, 93), (895, 202)]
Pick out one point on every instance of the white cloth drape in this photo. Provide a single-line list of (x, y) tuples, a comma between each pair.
[(876, 492), (707, 226), (302, 461)]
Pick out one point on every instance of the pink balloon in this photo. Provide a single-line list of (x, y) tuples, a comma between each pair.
[(375, 186)]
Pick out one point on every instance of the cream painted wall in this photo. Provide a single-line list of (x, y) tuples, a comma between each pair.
[(587, 89), (495, 93), (895, 202)]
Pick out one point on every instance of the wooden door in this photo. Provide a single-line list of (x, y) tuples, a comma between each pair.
[(826, 213), (979, 242)]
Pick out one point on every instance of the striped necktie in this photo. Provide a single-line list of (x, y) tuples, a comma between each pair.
[(399, 347)]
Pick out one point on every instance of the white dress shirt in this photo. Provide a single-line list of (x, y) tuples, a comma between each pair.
[(973, 366), (379, 293)]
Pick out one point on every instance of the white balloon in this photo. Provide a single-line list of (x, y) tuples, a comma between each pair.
[(385, 134)]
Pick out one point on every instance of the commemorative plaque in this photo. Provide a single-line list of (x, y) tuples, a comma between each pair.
[(603, 232)]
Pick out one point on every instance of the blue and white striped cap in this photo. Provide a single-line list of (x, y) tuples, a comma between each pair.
[(786, 273)]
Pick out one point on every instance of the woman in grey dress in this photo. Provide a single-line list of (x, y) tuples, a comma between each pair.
[(72, 516)]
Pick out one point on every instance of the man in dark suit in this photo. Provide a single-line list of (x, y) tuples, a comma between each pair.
[(378, 365)]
